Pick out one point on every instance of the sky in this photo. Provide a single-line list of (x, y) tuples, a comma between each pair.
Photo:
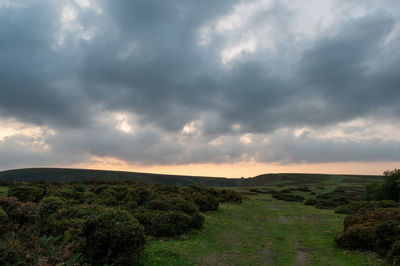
[(219, 88)]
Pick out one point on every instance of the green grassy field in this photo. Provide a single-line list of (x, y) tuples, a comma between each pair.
[(260, 231), (3, 189)]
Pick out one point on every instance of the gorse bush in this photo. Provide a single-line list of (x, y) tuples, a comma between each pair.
[(27, 192), (164, 223), (206, 202), (374, 224), (96, 222), (376, 230), (112, 236)]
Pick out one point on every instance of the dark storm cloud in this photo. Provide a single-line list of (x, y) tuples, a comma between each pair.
[(30, 69), (307, 149), (341, 69), (144, 58)]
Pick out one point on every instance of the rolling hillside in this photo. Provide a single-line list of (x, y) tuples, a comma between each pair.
[(65, 175), (283, 179)]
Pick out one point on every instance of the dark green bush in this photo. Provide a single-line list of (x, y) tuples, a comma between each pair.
[(172, 203), (113, 237), (10, 253), (229, 196), (165, 223), (79, 188), (50, 205), (288, 197), (26, 193), (197, 221), (375, 230), (206, 202), (311, 202), (93, 222), (263, 191), (4, 222), (389, 189), (363, 206), (68, 193), (139, 195), (18, 212), (393, 255), (326, 204)]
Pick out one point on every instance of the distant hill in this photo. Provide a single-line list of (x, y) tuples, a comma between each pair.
[(294, 179), (286, 179), (66, 175)]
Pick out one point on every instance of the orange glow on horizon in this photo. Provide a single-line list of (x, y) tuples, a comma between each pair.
[(247, 169)]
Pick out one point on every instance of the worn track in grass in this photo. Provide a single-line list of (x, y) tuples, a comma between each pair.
[(259, 232)]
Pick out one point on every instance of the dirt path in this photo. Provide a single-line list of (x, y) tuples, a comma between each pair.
[(265, 255), (301, 255)]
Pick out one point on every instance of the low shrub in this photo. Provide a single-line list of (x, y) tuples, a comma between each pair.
[(330, 203), (18, 212), (113, 237), (326, 204), (10, 253), (4, 222), (363, 206), (311, 202), (264, 191), (206, 202), (96, 222), (288, 197), (50, 205), (393, 255), (161, 223), (376, 230), (229, 196), (26, 193)]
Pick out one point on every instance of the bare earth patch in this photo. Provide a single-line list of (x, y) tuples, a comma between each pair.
[(282, 220), (301, 256), (265, 254), (218, 260), (312, 218)]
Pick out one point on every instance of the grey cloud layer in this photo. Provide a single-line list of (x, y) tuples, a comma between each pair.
[(144, 58)]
